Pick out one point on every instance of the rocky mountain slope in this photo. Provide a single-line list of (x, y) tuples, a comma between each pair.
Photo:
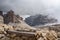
[(11, 26)]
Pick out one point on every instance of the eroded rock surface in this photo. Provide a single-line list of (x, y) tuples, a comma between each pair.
[(43, 34)]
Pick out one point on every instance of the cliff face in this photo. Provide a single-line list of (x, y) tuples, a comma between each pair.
[(10, 17), (14, 20)]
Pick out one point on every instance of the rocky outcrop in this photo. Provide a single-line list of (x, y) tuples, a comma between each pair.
[(40, 34), (15, 25), (1, 19), (43, 34), (11, 17), (39, 19)]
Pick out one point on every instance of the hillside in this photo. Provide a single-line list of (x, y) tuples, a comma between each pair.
[(13, 27)]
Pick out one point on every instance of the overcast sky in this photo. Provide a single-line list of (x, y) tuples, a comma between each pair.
[(31, 7)]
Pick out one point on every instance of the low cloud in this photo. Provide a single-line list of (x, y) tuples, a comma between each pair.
[(27, 7)]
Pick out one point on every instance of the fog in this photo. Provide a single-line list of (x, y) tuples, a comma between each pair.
[(32, 7)]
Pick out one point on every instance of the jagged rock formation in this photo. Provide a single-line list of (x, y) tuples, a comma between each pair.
[(39, 19), (16, 24), (14, 20), (11, 17)]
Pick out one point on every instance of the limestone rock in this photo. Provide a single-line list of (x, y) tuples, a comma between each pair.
[(47, 34)]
